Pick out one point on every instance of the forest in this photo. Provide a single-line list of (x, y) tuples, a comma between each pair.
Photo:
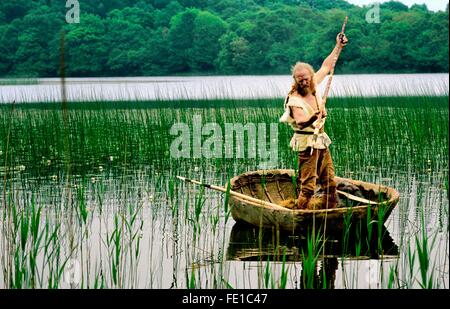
[(206, 37)]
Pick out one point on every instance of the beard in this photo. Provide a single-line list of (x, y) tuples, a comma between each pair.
[(302, 90)]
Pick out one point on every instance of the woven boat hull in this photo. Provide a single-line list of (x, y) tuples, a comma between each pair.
[(277, 185)]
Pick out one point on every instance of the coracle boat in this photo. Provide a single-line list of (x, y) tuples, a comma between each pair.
[(358, 201)]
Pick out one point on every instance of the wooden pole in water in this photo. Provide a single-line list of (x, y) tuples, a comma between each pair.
[(327, 89), (265, 203), (234, 193)]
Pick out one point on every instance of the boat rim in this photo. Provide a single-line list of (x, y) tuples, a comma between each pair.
[(393, 193)]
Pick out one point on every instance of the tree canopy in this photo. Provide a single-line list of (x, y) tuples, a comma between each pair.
[(167, 37)]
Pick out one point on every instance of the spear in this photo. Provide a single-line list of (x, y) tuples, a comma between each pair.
[(327, 89)]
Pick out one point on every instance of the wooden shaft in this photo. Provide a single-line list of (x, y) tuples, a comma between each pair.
[(327, 89), (330, 78), (234, 193), (265, 203), (344, 24), (356, 198)]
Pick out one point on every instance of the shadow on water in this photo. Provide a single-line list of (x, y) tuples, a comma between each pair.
[(250, 243)]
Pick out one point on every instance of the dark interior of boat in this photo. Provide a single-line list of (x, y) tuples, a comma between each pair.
[(278, 187)]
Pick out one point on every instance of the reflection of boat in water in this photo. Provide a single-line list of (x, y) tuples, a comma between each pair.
[(250, 243), (275, 186)]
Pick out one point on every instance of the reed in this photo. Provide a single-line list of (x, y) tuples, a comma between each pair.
[(310, 258), (284, 272), (423, 253), (124, 218)]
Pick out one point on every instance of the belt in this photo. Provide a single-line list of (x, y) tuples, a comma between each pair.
[(304, 132)]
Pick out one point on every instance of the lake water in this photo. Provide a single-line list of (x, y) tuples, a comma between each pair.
[(103, 183), (219, 87)]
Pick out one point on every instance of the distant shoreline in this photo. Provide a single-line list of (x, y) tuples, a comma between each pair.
[(242, 87), (155, 78)]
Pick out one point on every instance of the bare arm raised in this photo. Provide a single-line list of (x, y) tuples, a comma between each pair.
[(327, 65)]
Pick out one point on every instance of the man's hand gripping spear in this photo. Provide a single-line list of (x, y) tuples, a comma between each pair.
[(319, 121)]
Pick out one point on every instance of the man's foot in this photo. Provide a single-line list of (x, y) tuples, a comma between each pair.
[(289, 203), (303, 201), (329, 201)]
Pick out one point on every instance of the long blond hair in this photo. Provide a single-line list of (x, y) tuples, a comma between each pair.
[(299, 66)]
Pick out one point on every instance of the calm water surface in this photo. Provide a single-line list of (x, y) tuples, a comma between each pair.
[(204, 87), (122, 219), (174, 244)]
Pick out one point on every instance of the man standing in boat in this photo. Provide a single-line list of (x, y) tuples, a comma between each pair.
[(303, 110)]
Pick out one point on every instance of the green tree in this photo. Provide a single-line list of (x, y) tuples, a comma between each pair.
[(134, 15), (9, 43), (281, 57), (394, 6), (126, 35), (87, 52), (13, 9), (160, 4), (126, 41), (156, 54), (38, 38), (180, 39), (430, 50), (208, 28), (234, 55), (133, 37), (164, 15)]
